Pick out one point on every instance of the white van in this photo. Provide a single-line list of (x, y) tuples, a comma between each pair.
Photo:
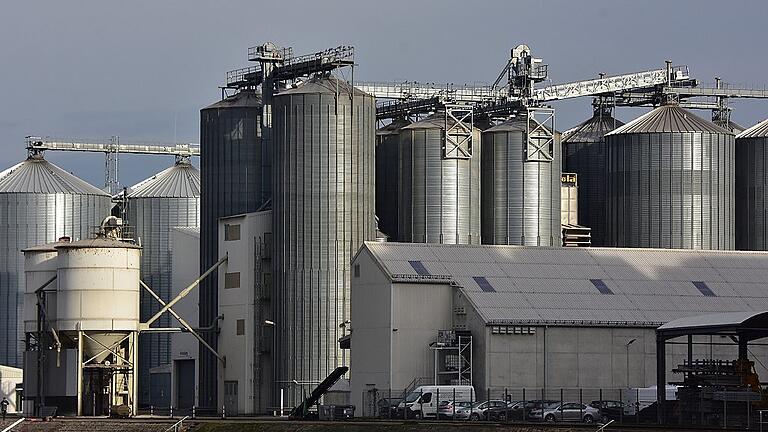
[(423, 401)]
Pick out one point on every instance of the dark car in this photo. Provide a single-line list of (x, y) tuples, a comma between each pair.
[(610, 409), (512, 411)]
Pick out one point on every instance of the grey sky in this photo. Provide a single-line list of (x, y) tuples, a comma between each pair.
[(137, 68)]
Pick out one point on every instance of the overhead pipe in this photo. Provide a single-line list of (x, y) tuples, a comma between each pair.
[(184, 292), (181, 320)]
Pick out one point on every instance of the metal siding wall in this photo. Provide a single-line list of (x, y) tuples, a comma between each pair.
[(521, 200), (152, 219), (751, 188), (387, 172), (670, 190), (31, 219), (439, 199), (323, 209), (231, 165)]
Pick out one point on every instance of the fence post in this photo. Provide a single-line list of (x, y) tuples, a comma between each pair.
[(581, 406), (171, 411), (193, 412), (621, 415), (600, 410), (637, 405), (437, 404), (541, 402), (389, 405), (223, 411), (405, 406), (525, 405), (151, 410), (421, 404), (454, 403)]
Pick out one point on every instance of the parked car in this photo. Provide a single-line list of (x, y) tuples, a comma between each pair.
[(387, 407), (534, 410), (571, 412), (422, 402), (610, 409), (450, 410), (510, 411), (477, 410)]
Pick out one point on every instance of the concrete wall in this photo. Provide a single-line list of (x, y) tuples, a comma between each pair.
[(185, 261), (10, 377), (240, 303), (393, 325)]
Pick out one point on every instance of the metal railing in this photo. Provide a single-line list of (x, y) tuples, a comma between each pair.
[(177, 426)]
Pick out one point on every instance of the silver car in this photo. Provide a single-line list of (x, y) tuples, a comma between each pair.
[(571, 412), (477, 410)]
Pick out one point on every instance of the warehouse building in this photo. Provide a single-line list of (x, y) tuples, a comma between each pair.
[(538, 318)]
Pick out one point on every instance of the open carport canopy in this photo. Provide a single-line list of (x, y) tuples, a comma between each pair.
[(752, 324)]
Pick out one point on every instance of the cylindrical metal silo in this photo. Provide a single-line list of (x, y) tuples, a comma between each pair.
[(170, 198), (235, 178), (752, 188), (323, 209), (521, 198), (670, 182), (387, 172), (39, 202), (438, 189), (584, 154), (40, 264)]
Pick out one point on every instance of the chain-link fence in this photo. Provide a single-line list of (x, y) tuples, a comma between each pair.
[(571, 405)]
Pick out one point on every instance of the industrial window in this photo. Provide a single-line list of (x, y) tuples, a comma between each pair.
[(704, 289), (357, 270), (231, 232), (240, 327), (601, 286), (419, 267), (484, 284), (232, 280)]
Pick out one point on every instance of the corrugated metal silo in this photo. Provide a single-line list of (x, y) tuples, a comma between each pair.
[(235, 178), (170, 198), (521, 198), (387, 172), (752, 188), (39, 202), (584, 154), (323, 208), (670, 182), (438, 193)]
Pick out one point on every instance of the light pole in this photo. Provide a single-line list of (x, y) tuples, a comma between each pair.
[(627, 347)]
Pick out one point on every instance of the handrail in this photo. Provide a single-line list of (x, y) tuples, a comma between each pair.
[(602, 428), (16, 423), (175, 427)]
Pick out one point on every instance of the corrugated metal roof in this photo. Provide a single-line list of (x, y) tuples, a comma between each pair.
[(552, 285), (191, 231), (323, 84), (98, 243), (592, 130), (241, 99), (36, 175), (515, 124), (182, 180), (731, 319), (668, 118), (759, 130), (393, 127)]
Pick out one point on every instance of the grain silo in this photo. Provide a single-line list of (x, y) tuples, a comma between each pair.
[(234, 178), (168, 199), (584, 154), (39, 202), (520, 197), (670, 182), (752, 188), (323, 209), (387, 172), (439, 184)]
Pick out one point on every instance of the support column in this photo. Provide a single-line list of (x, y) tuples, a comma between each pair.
[(135, 374), (79, 372), (661, 377), (743, 352)]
